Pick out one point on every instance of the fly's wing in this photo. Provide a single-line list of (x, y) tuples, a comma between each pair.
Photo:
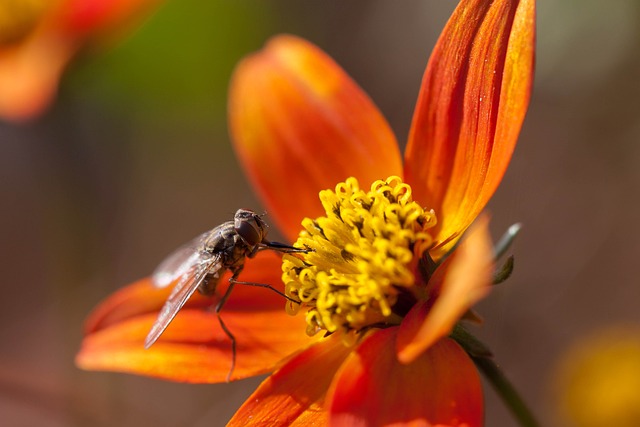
[(187, 285), (179, 262)]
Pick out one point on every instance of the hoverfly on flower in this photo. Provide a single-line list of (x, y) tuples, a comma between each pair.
[(200, 264)]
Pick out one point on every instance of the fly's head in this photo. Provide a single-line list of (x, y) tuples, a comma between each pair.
[(250, 227)]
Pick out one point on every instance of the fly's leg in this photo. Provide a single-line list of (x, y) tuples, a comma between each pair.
[(264, 285), (285, 249), (233, 346), (233, 280), (221, 303), (275, 246)]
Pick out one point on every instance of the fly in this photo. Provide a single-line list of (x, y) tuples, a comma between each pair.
[(201, 263)]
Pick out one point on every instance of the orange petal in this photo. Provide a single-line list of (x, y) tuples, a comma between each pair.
[(29, 75), (441, 387), (142, 297), (473, 99), (295, 394), (465, 278), (194, 348), (301, 125), (31, 66)]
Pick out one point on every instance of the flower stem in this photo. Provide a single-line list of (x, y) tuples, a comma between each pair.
[(483, 359)]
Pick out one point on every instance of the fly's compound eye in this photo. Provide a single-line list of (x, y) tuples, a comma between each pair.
[(251, 229)]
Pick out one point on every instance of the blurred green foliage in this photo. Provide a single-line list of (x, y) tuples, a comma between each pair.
[(176, 64)]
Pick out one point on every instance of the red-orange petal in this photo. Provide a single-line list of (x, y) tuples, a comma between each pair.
[(441, 387), (194, 348), (461, 281), (142, 297), (294, 395), (300, 125), (472, 103), (91, 18)]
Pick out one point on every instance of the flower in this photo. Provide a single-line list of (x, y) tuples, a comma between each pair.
[(38, 38), (386, 275), (597, 379)]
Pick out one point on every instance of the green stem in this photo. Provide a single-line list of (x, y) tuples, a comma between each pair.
[(483, 359), (506, 391)]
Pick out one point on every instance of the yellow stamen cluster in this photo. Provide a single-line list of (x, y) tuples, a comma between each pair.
[(360, 255)]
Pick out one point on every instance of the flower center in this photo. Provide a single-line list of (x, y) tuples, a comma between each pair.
[(361, 257)]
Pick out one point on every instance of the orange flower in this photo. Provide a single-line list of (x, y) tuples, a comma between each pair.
[(382, 282), (38, 38)]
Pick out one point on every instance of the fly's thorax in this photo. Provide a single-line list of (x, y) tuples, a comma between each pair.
[(221, 238), (361, 264), (227, 245)]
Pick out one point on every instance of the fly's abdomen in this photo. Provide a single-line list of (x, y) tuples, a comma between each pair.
[(211, 280)]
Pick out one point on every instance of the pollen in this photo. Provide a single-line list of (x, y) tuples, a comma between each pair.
[(361, 256)]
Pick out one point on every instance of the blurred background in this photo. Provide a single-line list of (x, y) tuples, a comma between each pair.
[(133, 158)]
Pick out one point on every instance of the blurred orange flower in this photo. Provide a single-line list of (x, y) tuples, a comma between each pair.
[(378, 282), (38, 38)]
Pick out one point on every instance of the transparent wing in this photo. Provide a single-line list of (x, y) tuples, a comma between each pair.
[(180, 261), (187, 285)]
